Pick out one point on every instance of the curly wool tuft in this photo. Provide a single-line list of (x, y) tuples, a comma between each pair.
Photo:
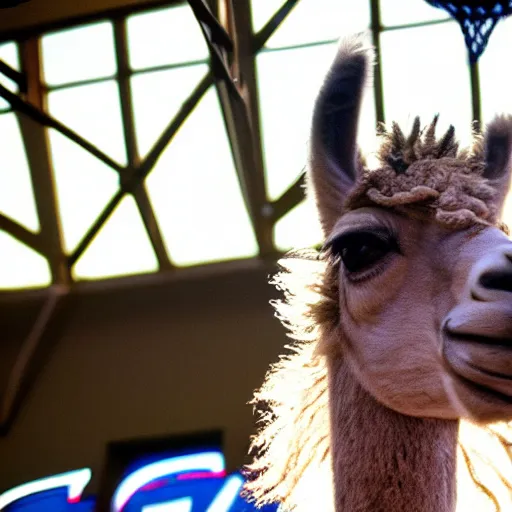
[(423, 174)]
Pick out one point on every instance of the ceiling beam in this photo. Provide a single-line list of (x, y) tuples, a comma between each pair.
[(248, 87), (376, 28), (476, 103), (139, 192), (33, 354), (243, 139), (35, 18), (39, 159)]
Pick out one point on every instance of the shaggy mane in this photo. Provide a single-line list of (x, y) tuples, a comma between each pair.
[(291, 451)]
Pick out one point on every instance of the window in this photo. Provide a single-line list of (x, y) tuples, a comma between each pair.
[(192, 193), (290, 68), (144, 165), (195, 190), (292, 62), (22, 266), (422, 86), (164, 38), (78, 54), (16, 194)]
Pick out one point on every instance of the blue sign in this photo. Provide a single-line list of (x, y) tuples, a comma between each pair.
[(193, 482)]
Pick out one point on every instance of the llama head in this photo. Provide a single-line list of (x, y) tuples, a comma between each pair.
[(417, 257)]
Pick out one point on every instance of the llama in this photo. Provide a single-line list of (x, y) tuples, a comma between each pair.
[(398, 385)]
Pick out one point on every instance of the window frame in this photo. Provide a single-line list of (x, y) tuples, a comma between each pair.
[(233, 51)]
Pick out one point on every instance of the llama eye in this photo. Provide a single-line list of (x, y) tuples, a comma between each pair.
[(361, 250)]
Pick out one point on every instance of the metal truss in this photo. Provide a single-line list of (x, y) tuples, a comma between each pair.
[(232, 47), (227, 28)]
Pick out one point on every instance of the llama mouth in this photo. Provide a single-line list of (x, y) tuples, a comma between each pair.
[(491, 373), (481, 364), (485, 391), (502, 343)]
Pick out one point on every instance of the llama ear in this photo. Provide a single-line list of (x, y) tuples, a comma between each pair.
[(334, 161), (498, 153)]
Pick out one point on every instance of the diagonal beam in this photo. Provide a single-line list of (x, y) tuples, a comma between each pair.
[(35, 349), (240, 138), (247, 85), (134, 179), (295, 194), (13, 74), (25, 236), (139, 193), (36, 113), (273, 24), (217, 46), (238, 126), (33, 354), (217, 32), (168, 134), (147, 213), (94, 229)]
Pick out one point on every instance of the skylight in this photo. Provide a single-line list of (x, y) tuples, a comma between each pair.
[(149, 178)]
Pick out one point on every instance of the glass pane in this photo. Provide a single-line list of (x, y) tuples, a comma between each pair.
[(166, 36), (122, 247), (157, 97), (77, 54), (495, 72), (9, 54), (417, 84), (398, 12), (94, 112), (84, 187), (16, 193), (299, 228), (195, 193), (289, 81), (321, 20), (262, 11), (21, 266)]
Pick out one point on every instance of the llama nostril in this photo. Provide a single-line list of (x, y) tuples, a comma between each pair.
[(497, 280)]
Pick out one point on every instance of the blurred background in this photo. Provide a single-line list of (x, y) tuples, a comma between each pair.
[(151, 174)]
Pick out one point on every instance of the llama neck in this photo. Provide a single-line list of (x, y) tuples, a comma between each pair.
[(385, 461)]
